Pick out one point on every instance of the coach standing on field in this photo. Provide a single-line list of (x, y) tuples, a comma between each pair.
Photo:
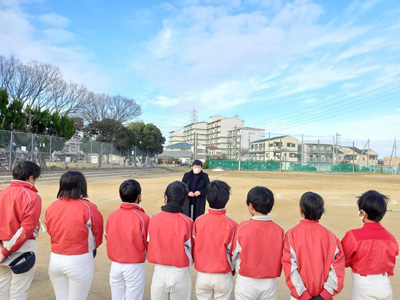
[(197, 182)]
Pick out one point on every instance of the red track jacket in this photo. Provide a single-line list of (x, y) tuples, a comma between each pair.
[(213, 234), (170, 239), (257, 248), (68, 222), (370, 250), (313, 261), (20, 208), (126, 234)]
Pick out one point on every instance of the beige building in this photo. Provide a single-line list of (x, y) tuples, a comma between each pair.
[(280, 148), (359, 157), (391, 161), (195, 134), (315, 152)]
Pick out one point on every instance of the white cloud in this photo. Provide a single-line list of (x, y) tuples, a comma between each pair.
[(166, 102), (54, 20), (58, 36), (19, 37)]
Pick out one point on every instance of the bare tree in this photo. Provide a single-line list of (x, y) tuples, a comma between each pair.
[(102, 106), (7, 71), (66, 98)]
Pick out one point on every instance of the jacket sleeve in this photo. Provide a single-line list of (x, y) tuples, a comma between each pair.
[(145, 230), (235, 249), (203, 189), (334, 282), (290, 268), (29, 224), (97, 226), (349, 247)]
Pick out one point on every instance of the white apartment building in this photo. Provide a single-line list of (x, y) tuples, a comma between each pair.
[(239, 140), (280, 148), (315, 152), (176, 137), (218, 132)]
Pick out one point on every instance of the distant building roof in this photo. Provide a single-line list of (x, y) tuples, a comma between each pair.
[(176, 154), (213, 148), (179, 145), (273, 138)]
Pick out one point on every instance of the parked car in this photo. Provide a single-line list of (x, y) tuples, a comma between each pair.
[(184, 165)]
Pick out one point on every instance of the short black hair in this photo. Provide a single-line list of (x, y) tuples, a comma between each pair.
[(261, 198), (25, 169), (197, 163), (374, 204), (312, 206), (72, 185), (218, 194), (176, 193), (130, 190)]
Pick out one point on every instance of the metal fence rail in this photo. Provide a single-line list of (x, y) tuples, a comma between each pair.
[(52, 152)]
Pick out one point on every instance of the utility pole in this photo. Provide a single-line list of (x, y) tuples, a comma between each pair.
[(353, 157), (395, 156)]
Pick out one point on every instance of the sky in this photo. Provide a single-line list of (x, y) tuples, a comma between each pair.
[(302, 67)]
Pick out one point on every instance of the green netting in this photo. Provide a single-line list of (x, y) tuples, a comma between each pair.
[(298, 167)]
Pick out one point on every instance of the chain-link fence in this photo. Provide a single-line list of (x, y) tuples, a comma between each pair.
[(52, 152)]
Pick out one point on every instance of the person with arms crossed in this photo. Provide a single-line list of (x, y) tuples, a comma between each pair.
[(371, 251), (20, 208)]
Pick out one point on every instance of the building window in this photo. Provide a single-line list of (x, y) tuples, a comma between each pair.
[(291, 145)]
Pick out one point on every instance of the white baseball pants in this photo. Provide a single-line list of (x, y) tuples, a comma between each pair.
[(127, 281), (170, 282), (248, 288), (15, 286), (71, 275), (371, 287), (214, 286)]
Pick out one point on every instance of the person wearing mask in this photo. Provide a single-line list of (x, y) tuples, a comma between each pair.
[(197, 182)]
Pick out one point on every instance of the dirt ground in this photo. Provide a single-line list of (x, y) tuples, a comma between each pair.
[(339, 191)]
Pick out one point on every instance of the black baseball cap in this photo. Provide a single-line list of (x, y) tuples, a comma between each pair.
[(23, 263)]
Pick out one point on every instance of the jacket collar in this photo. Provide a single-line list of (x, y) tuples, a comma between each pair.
[(129, 206), (261, 218), (213, 211), (373, 225), (172, 209), (305, 221), (24, 184)]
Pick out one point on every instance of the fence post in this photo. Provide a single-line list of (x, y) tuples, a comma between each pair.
[(318, 155), (11, 149), (353, 157), (50, 153), (32, 137)]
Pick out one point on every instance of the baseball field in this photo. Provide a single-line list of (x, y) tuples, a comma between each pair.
[(339, 191)]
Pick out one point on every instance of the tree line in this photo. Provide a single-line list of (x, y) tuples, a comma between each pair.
[(35, 98)]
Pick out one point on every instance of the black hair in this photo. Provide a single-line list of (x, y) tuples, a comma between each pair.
[(312, 206), (72, 185), (130, 190), (261, 198), (374, 204), (197, 163), (218, 194), (25, 169), (176, 193)]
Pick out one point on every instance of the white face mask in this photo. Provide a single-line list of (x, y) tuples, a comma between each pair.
[(361, 217), (196, 170)]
